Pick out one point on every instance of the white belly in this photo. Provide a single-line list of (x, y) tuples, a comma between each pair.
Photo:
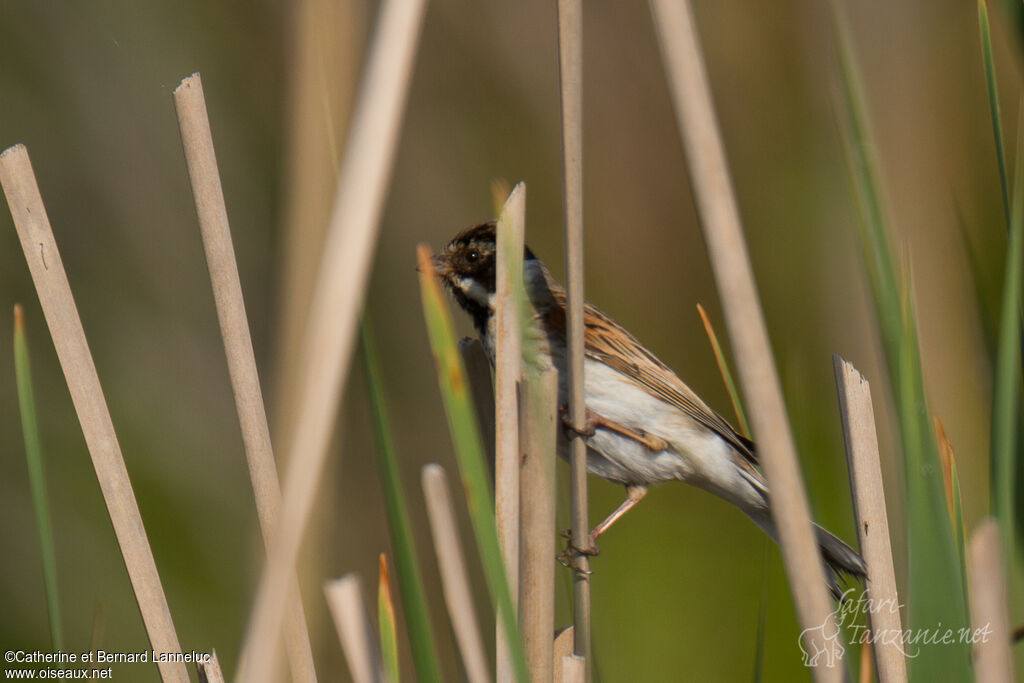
[(695, 454)]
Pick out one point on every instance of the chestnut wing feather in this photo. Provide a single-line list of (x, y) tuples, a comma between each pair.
[(608, 342)]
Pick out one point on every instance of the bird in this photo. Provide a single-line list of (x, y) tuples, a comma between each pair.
[(643, 425)]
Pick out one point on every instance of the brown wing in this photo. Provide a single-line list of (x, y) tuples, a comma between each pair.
[(608, 342)]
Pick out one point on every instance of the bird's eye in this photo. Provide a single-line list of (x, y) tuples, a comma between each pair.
[(473, 256)]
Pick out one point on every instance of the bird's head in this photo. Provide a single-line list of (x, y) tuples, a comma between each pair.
[(468, 264)]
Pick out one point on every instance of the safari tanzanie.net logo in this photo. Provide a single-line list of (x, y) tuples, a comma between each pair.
[(824, 645)]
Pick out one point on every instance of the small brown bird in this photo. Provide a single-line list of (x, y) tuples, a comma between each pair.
[(644, 425)]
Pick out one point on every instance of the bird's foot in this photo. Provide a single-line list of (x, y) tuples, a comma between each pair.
[(651, 442), (571, 552), (572, 431)]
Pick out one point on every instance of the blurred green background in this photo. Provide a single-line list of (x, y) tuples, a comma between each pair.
[(678, 586)]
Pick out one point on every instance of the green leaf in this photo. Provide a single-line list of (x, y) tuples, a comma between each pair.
[(983, 288), (1006, 382), (874, 238), (469, 452), (723, 368), (936, 597), (993, 104), (952, 485), (1006, 390), (958, 522), (935, 567), (386, 622), (36, 475), (410, 583)]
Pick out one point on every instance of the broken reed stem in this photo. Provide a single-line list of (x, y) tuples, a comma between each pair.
[(570, 72), (454, 576), (563, 646), (993, 656), (508, 355), (537, 433), (210, 671), (508, 366), (334, 310), (51, 282), (861, 439), (574, 669), (355, 632), (478, 371), (204, 176), (730, 262)]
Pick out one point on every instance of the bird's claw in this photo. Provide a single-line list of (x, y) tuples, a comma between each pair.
[(566, 557), (571, 430)]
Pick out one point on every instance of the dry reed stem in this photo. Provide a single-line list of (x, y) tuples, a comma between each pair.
[(355, 632), (326, 45), (570, 72), (574, 669), (478, 371), (993, 656), (334, 311), (327, 41), (730, 262), (537, 432), (564, 643), (210, 671), (201, 160), (861, 439), (51, 282), (454, 577), (508, 365)]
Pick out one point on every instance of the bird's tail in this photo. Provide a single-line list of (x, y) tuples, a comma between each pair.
[(840, 559)]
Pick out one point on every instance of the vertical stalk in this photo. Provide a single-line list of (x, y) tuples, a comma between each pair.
[(861, 439), (331, 329), (210, 671), (454, 575), (508, 367), (993, 654), (709, 172), (51, 283), (201, 160), (538, 414), (570, 71), (355, 632)]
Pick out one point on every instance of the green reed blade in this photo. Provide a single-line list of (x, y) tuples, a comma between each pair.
[(386, 622), (36, 475), (410, 582), (469, 452)]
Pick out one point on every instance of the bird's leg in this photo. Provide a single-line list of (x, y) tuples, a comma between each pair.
[(634, 494), (594, 421)]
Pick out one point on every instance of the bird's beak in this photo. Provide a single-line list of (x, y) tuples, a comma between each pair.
[(438, 263)]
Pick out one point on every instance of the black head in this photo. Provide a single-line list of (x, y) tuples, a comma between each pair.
[(467, 267)]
